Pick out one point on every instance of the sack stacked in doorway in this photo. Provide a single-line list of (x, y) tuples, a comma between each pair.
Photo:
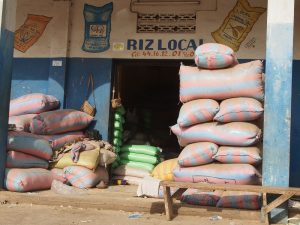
[(221, 100), (137, 161), (40, 129), (118, 129)]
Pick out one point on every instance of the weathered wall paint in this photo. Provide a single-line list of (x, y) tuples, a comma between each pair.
[(279, 63), (123, 29)]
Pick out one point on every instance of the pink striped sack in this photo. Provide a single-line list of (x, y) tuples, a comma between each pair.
[(239, 109), (249, 155), (215, 173), (23, 180), (232, 134), (197, 111), (32, 103), (242, 80), (214, 56), (60, 121), (22, 122), (197, 154), (21, 160), (240, 200), (58, 174), (197, 197), (59, 140), (30, 144), (82, 177)]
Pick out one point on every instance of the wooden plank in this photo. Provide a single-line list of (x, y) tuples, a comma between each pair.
[(278, 201), (168, 203), (264, 216), (229, 187), (179, 192), (7, 25)]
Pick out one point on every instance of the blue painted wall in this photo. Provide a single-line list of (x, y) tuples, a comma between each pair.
[(68, 83), (37, 75), (30, 75), (78, 70)]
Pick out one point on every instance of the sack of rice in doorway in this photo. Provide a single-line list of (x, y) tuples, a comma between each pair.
[(197, 154), (239, 109), (229, 154), (232, 134), (125, 170), (242, 80), (214, 56), (164, 170), (197, 111)]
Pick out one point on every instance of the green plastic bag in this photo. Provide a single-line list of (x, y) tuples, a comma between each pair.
[(140, 165), (120, 110), (141, 149), (117, 142), (139, 158), (119, 117), (118, 134), (115, 164), (117, 149), (118, 125)]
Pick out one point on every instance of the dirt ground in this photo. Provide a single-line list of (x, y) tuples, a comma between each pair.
[(28, 214)]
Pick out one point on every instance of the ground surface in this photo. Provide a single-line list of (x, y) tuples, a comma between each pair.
[(27, 214), (112, 206)]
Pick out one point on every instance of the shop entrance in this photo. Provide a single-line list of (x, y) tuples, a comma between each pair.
[(149, 91)]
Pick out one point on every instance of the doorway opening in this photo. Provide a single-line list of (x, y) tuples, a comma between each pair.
[(149, 91)]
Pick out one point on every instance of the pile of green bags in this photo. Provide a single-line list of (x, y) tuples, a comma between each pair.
[(140, 156), (117, 140)]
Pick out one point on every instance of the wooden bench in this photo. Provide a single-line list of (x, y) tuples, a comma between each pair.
[(285, 194)]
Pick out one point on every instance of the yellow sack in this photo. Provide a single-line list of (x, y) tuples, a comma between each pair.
[(164, 170), (89, 159)]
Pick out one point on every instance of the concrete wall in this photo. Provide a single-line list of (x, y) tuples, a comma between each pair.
[(56, 63)]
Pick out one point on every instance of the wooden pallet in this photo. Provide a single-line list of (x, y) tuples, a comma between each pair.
[(285, 194)]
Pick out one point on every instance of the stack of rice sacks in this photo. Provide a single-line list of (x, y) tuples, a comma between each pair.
[(40, 130), (221, 99), (137, 161), (117, 135)]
